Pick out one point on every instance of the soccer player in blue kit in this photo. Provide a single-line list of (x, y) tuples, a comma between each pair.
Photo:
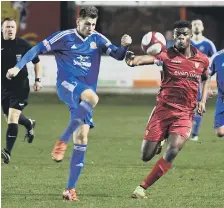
[(77, 52), (217, 67), (207, 47)]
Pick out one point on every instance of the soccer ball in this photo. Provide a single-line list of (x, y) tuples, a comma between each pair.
[(153, 43)]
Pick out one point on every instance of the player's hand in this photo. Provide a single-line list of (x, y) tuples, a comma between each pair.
[(37, 86), (126, 40), (129, 58), (12, 72), (201, 108)]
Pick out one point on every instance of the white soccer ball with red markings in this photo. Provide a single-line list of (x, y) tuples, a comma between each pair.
[(153, 43)]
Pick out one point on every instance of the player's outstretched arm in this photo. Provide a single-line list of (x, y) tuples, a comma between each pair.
[(29, 56), (133, 60)]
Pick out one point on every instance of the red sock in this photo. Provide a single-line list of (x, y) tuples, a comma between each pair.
[(161, 167)]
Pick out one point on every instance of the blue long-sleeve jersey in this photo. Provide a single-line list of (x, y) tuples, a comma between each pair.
[(76, 57), (205, 45), (217, 67)]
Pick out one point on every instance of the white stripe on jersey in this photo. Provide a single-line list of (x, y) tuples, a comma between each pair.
[(56, 36), (60, 35), (108, 43), (108, 51), (214, 56)]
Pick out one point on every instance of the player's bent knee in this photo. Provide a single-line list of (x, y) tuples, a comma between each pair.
[(147, 157), (13, 116), (90, 96), (171, 153), (220, 131)]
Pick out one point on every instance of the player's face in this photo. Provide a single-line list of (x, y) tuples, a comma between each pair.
[(9, 30), (197, 27), (182, 37), (86, 26)]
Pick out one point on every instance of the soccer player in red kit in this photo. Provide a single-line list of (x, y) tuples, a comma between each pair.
[(183, 68)]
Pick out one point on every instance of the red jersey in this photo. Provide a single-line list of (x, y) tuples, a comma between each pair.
[(181, 78)]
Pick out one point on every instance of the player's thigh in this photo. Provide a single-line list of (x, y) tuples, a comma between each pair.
[(70, 92), (182, 125), (18, 101), (80, 136), (157, 127)]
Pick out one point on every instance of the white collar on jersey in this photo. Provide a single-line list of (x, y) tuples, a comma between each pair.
[(200, 40), (83, 39)]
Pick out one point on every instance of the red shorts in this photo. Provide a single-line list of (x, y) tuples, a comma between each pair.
[(164, 120)]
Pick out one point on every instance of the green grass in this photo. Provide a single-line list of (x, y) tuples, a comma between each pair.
[(113, 167)]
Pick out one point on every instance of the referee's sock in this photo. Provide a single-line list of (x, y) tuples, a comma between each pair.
[(11, 135), (25, 122)]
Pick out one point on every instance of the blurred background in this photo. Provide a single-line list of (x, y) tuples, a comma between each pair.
[(38, 20)]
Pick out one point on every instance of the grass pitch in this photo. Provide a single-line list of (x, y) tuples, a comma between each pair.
[(112, 167)]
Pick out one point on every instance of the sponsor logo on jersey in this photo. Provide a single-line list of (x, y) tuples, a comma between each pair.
[(82, 61), (74, 46), (190, 74), (176, 61)]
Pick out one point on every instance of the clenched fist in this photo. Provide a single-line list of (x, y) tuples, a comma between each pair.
[(12, 72), (126, 40)]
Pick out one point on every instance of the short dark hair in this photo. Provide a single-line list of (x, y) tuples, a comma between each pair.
[(90, 11), (8, 19), (181, 24)]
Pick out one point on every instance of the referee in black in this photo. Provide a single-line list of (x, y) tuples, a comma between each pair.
[(14, 92)]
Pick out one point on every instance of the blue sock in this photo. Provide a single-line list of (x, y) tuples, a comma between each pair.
[(76, 164), (83, 109), (197, 124)]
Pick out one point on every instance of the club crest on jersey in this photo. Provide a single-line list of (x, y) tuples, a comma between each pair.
[(18, 57), (196, 64), (93, 45)]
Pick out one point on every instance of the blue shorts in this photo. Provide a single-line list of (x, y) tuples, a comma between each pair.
[(199, 94), (70, 93), (219, 113)]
